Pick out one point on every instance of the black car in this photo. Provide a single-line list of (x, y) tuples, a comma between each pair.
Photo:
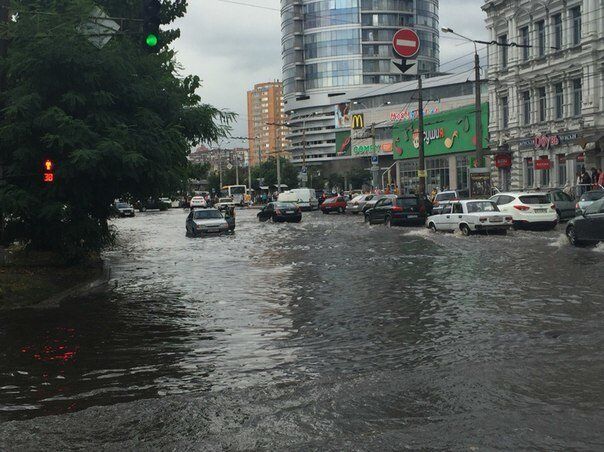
[(399, 211), (123, 209), (280, 212), (588, 228)]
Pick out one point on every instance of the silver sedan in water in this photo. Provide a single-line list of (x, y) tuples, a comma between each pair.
[(356, 204), (206, 221)]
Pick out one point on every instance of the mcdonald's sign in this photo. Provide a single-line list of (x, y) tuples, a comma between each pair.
[(358, 121)]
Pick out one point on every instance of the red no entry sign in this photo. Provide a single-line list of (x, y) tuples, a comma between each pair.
[(405, 42)]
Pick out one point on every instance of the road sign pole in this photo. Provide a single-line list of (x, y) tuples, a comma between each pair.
[(422, 162)]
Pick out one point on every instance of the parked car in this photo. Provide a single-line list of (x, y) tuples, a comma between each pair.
[(565, 205), (150, 204), (587, 228), (335, 204), (123, 209), (468, 216), (587, 199), (356, 204), (444, 198), (205, 221), (280, 212), (198, 202), (403, 210), (371, 203), (223, 203), (529, 210)]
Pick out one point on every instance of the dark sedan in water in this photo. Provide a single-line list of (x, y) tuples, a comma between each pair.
[(403, 210), (587, 228), (280, 212)]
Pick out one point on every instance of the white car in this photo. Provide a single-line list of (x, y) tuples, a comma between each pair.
[(469, 216), (224, 203), (198, 202), (529, 210)]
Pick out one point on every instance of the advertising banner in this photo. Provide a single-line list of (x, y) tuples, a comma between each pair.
[(343, 142), (480, 183), (342, 115), (444, 133)]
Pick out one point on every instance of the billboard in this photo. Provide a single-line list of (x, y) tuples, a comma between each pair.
[(342, 115), (343, 142), (444, 133)]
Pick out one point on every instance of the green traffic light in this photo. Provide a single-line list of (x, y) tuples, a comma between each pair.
[(151, 40)]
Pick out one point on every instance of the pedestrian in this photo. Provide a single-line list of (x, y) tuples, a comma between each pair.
[(433, 194), (585, 181), (594, 177), (601, 179)]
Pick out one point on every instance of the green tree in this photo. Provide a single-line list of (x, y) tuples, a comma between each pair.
[(116, 120), (268, 171), (358, 177)]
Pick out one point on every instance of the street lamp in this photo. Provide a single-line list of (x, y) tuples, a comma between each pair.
[(477, 103)]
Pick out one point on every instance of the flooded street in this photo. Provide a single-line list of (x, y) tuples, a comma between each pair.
[(328, 334)]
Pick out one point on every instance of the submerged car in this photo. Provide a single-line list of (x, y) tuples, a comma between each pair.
[(404, 210), (123, 209), (334, 204), (206, 221), (529, 210), (224, 203), (587, 228), (470, 216), (587, 199), (280, 212)]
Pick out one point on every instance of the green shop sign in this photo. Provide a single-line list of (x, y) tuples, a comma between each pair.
[(444, 133), (343, 142)]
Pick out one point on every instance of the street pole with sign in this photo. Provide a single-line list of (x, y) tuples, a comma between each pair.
[(406, 44)]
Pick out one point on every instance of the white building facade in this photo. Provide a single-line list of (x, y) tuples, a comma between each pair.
[(546, 100)]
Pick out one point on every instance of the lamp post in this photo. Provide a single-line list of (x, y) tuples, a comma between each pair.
[(477, 103)]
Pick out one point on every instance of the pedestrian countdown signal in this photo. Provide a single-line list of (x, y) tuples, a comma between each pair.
[(49, 175)]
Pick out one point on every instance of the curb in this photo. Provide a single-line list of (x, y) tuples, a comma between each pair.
[(88, 288)]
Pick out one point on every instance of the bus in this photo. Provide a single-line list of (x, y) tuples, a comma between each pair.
[(236, 192)]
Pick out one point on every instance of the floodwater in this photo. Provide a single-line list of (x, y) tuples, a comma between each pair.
[(328, 334)]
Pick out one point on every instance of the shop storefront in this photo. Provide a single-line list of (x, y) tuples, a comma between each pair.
[(449, 141)]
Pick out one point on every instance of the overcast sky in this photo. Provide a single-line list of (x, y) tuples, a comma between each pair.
[(231, 47)]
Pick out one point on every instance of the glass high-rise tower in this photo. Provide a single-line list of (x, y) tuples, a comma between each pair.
[(330, 44), (330, 47)]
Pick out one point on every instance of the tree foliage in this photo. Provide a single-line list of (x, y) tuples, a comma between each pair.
[(116, 120)]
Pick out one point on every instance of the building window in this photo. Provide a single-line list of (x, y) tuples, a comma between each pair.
[(557, 22), (542, 105), (505, 112), (561, 163), (462, 172), (526, 108), (438, 173), (544, 177), (541, 38), (559, 93), (503, 39), (577, 97), (575, 17), (525, 40), (530, 172)]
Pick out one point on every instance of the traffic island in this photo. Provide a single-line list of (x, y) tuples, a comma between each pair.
[(42, 280)]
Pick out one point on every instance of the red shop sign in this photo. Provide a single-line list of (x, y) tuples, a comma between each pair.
[(581, 157), (503, 160), (543, 164), (546, 141)]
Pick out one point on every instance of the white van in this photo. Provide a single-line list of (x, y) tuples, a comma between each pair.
[(306, 198)]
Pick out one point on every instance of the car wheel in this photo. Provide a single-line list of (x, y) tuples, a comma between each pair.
[(465, 230), (366, 219), (388, 222), (325, 211), (571, 234), (340, 210), (432, 227)]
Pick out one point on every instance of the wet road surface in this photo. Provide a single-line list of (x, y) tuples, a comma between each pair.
[(328, 334)]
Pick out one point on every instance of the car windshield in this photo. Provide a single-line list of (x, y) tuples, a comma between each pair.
[(357, 198), (481, 206), (285, 205), (369, 198), (407, 202), (592, 195), (445, 196), (206, 214), (535, 199), (122, 205)]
